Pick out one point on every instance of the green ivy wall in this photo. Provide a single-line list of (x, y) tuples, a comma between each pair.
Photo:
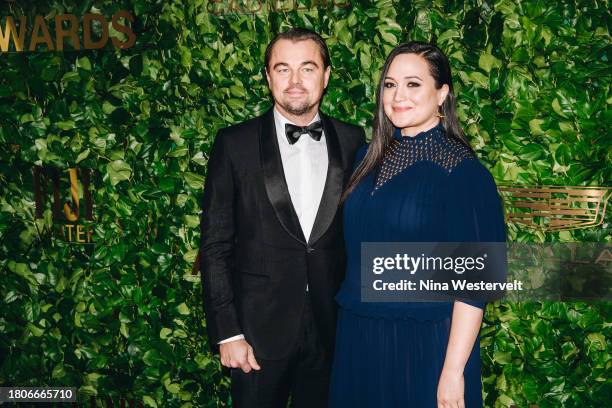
[(123, 318)]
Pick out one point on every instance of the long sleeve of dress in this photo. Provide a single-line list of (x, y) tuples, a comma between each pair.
[(474, 207)]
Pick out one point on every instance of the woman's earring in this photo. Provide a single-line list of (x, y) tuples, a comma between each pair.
[(439, 115)]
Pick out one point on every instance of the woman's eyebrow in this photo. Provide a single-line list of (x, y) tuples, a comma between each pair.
[(406, 77)]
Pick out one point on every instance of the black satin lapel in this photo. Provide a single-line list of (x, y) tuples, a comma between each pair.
[(333, 183), (274, 179)]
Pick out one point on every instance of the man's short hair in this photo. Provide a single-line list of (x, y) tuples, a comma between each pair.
[(300, 34)]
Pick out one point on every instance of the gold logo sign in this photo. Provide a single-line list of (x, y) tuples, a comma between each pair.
[(24, 38), (75, 220), (556, 208)]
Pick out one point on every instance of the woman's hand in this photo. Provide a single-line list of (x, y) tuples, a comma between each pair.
[(450, 389)]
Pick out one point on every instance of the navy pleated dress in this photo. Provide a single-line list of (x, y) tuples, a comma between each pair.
[(430, 188)]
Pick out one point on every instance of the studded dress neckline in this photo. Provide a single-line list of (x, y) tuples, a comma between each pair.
[(437, 130), (432, 145)]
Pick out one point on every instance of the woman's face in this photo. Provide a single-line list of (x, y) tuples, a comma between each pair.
[(410, 98)]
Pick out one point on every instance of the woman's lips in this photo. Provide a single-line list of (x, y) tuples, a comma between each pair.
[(400, 109)]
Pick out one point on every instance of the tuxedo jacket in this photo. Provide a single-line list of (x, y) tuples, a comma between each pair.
[(254, 260)]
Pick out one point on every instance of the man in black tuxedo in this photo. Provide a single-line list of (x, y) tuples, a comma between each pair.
[(272, 252)]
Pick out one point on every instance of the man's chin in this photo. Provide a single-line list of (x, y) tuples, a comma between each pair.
[(298, 110)]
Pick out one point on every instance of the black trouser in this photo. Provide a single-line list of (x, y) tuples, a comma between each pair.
[(304, 375)]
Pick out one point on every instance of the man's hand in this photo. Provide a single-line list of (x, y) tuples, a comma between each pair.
[(238, 354)]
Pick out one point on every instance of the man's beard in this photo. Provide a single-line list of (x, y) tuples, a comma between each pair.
[(297, 108)]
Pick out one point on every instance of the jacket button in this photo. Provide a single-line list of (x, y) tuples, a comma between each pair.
[(309, 249)]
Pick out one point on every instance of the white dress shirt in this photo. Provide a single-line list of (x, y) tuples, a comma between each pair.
[(305, 166)]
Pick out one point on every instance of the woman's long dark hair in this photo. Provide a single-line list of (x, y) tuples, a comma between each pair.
[(382, 132)]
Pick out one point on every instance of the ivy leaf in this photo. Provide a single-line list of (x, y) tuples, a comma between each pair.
[(165, 333), (183, 309), (200, 159), (535, 125), (149, 401), (84, 63), (152, 358), (172, 388), (118, 170), (36, 331), (479, 79), (563, 155), (65, 125), (82, 156), (193, 180), (532, 151), (487, 62)]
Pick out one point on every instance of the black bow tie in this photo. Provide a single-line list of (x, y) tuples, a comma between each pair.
[(294, 132)]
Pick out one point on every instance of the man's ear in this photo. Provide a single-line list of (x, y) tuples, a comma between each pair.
[(267, 76), (442, 94), (326, 76)]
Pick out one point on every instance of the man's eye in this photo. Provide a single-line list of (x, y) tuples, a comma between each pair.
[(283, 70), (308, 69), (389, 84)]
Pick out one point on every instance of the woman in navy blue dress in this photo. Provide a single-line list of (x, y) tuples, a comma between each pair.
[(418, 181)]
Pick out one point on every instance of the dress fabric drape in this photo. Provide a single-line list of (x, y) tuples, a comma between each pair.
[(429, 188)]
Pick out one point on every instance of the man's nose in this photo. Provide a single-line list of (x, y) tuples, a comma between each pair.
[(295, 77)]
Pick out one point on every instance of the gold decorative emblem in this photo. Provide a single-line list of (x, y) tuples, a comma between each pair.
[(555, 208), (75, 222)]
